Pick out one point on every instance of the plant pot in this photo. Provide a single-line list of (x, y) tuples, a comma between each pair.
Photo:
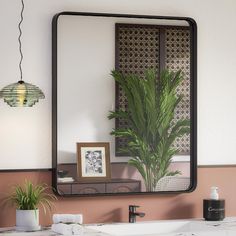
[(27, 220)]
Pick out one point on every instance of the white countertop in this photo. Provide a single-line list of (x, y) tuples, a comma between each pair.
[(188, 227)]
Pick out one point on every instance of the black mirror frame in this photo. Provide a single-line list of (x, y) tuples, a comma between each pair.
[(193, 98)]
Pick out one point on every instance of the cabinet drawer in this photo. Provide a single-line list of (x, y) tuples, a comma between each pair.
[(86, 188), (64, 188), (123, 187)]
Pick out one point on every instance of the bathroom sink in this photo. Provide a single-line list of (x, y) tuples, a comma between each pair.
[(143, 228), (168, 228)]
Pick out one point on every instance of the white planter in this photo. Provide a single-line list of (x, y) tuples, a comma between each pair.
[(27, 220)]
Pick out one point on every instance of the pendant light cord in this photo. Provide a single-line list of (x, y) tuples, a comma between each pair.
[(19, 38)]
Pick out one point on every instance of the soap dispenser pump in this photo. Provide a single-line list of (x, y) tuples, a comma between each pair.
[(214, 193), (214, 208)]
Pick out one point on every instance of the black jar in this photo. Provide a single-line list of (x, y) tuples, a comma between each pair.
[(214, 210)]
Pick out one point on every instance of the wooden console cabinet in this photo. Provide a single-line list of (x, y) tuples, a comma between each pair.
[(108, 186)]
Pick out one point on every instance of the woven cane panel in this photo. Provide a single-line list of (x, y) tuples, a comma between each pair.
[(137, 50), (177, 57)]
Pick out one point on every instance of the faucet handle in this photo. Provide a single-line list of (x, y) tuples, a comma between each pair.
[(132, 208)]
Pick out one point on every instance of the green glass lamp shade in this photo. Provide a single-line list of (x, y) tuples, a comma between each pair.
[(21, 94)]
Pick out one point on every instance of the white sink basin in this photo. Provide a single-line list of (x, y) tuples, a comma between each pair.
[(142, 228), (168, 228)]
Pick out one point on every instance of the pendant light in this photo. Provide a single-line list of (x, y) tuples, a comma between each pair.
[(21, 94)]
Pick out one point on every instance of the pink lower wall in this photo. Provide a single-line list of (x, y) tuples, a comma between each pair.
[(112, 208)]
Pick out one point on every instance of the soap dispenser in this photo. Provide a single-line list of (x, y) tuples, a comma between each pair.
[(214, 208)]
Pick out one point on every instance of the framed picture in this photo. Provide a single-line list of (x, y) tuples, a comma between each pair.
[(93, 161)]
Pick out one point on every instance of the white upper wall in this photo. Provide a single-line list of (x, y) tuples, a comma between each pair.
[(25, 133)]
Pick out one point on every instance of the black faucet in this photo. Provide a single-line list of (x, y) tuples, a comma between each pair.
[(133, 213)]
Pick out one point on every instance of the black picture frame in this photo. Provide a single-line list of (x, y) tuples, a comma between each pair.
[(193, 98)]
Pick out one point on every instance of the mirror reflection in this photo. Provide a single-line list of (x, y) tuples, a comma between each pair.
[(124, 105)]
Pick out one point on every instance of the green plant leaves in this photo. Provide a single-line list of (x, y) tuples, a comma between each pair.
[(29, 196), (151, 103)]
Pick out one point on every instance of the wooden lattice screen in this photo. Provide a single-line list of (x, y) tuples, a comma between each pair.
[(139, 47)]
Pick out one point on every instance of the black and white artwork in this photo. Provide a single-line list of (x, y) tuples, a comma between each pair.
[(93, 162)]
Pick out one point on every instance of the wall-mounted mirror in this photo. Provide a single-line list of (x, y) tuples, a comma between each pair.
[(153, 146)]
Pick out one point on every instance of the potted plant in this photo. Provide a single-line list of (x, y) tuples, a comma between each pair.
[(151, 103), (27, 199)]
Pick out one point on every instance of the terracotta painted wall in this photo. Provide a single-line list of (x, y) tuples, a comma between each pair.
[(113, 209)]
